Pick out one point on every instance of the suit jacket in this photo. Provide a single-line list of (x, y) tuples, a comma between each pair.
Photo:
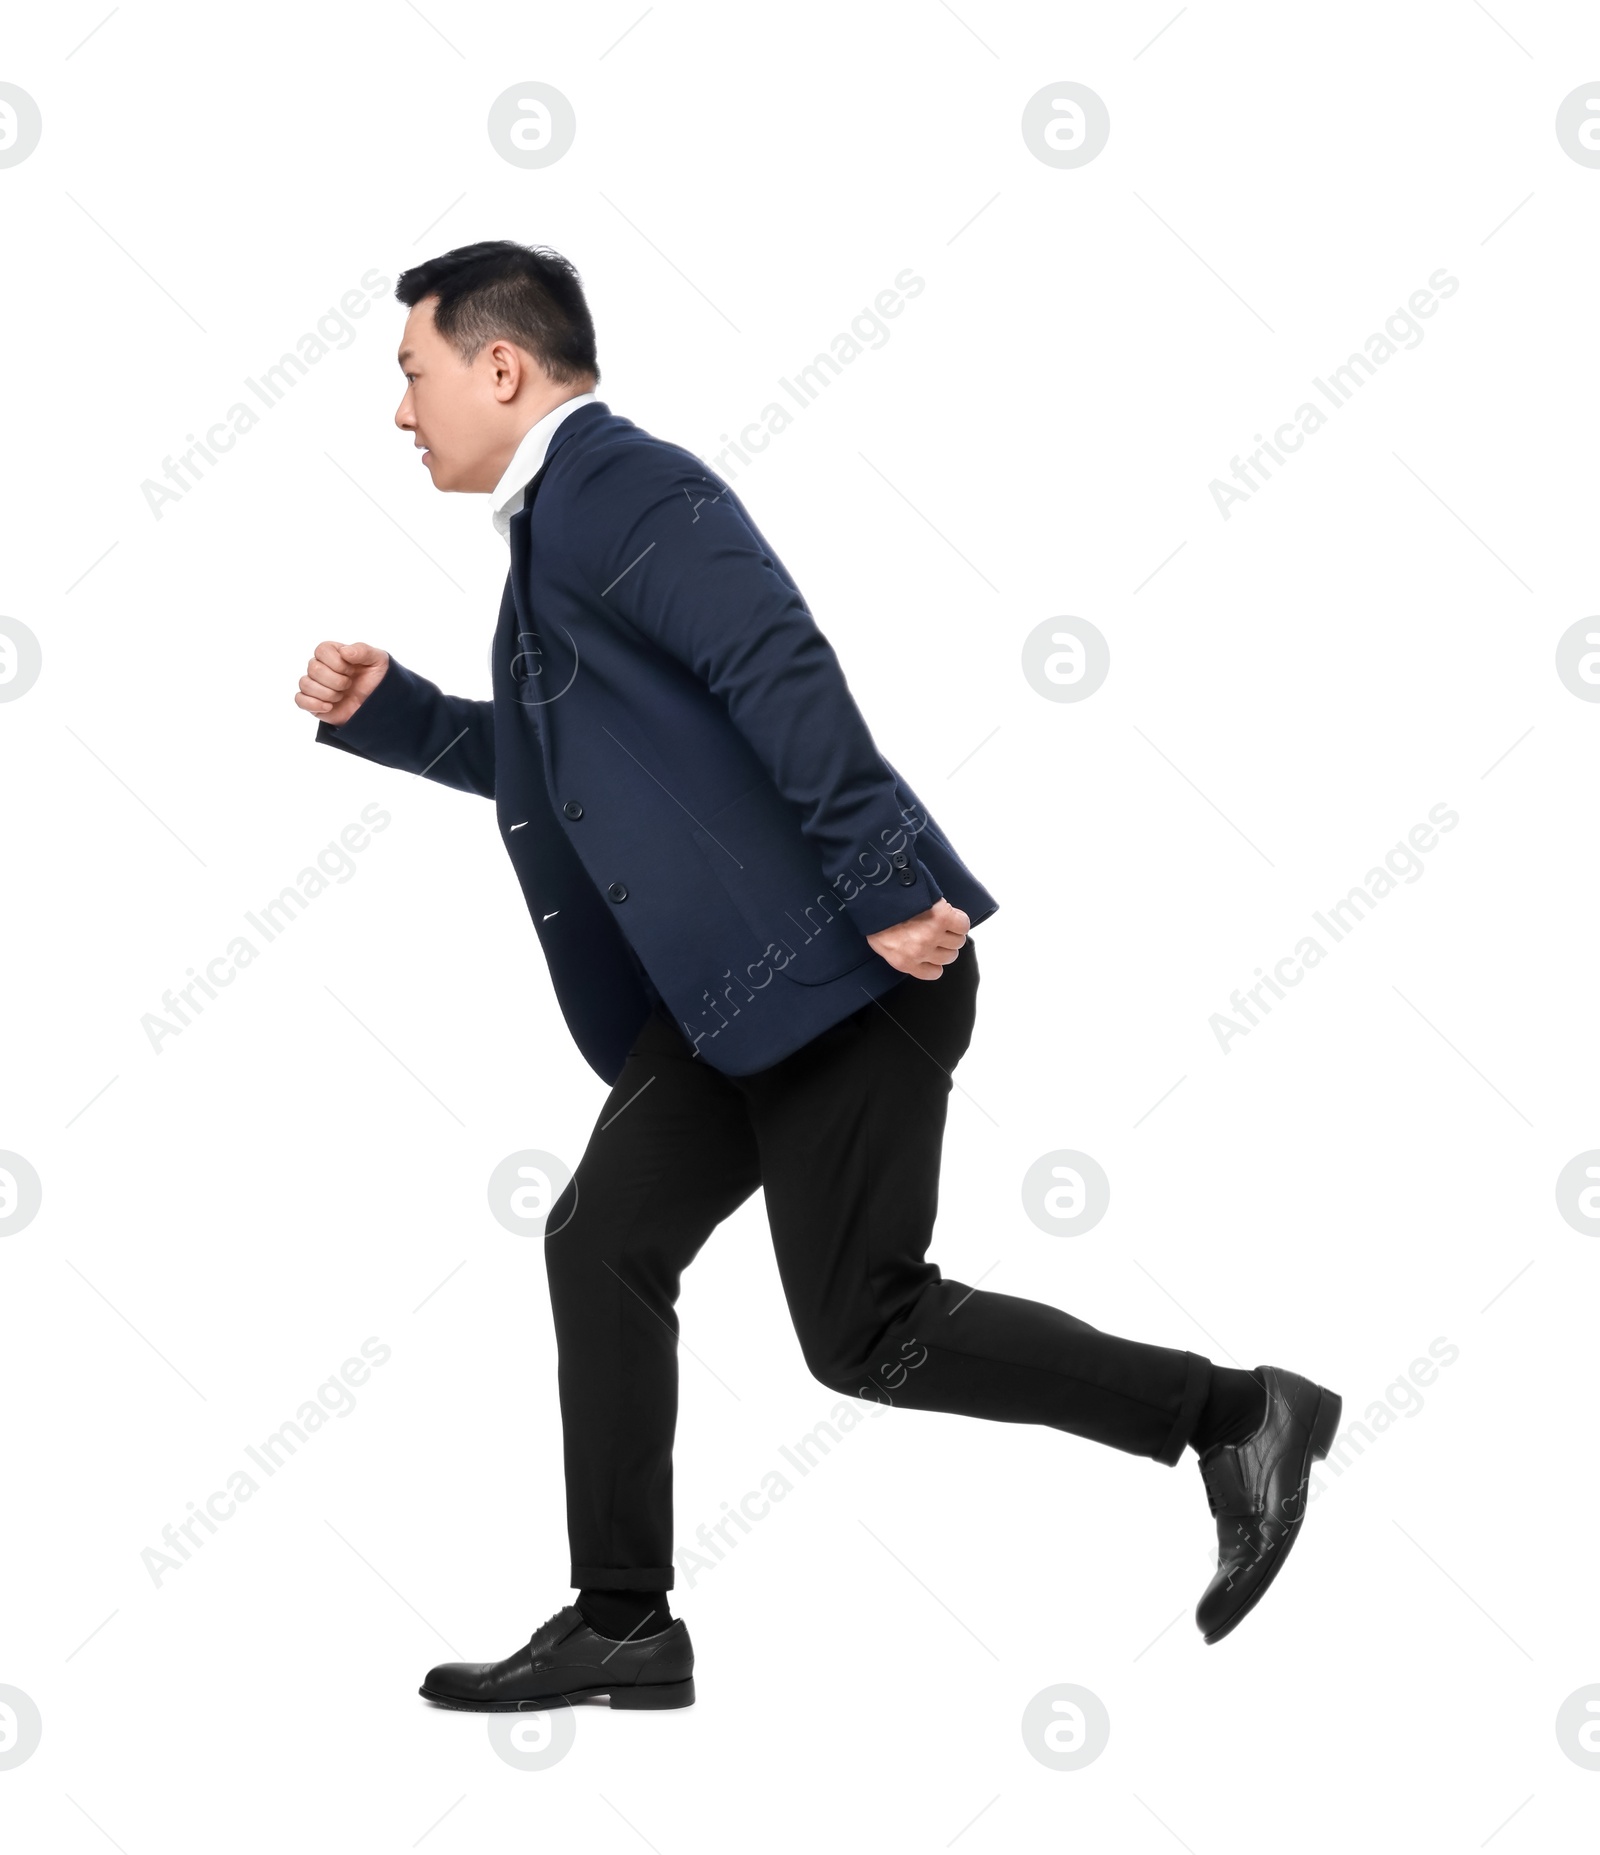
[(689, 795)]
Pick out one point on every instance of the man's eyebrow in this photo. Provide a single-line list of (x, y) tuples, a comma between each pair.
[(403, 356)]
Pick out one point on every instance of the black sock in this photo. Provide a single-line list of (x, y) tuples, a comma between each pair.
[(616, 1614), (1234, 1407)]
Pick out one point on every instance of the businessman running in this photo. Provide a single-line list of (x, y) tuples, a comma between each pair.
[(762, 943)]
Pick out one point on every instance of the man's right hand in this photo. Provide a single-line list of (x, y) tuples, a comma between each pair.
[(339, 678)]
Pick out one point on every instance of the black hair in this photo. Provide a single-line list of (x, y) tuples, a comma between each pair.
[(501, 291)]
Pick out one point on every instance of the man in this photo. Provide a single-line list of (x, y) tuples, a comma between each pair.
[(759, 939)]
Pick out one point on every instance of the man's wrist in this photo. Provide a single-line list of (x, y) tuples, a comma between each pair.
[(890, 903), (373, 716)]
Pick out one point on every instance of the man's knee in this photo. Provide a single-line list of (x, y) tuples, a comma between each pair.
[(877, 1374)]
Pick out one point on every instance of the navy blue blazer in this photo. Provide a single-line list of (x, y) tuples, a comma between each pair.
[(689, 795)]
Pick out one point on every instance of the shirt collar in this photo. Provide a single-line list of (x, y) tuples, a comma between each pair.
[(529, 460)]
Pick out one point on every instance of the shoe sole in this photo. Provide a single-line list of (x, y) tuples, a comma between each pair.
[(656, 1694), (1324, 1427)]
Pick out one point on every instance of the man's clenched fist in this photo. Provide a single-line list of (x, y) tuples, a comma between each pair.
[(339, 678), (926, 944)]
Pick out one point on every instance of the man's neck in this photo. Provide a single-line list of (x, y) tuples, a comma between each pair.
[(543, 409)]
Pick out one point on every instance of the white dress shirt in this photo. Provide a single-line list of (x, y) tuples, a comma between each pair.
[(528, 462)]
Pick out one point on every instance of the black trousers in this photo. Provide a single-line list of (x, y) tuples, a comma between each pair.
[(844, 1138)]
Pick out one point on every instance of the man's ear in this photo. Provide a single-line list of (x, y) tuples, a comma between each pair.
[(508, 367)]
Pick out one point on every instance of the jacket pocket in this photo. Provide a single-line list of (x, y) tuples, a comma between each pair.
[(757, 851)]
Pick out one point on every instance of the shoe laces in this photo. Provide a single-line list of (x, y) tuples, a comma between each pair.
[(551, 1619)]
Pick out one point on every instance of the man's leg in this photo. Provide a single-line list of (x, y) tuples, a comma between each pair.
[(849, 1131), (671, 1156)]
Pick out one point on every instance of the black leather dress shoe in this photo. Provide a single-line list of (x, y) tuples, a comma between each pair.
[(565, 1660), (1257, 1491)]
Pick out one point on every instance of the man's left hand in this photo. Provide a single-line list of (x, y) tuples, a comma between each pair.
[(926, 944)]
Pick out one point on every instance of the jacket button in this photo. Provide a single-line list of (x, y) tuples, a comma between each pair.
[(899, 859), (573, 809), (907, 877), (618, 892)]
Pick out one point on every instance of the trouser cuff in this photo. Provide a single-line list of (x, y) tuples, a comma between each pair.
[(1197, 1382), (623, 1578)]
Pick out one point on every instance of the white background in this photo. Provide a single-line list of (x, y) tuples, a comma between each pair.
[(1370, 1170)]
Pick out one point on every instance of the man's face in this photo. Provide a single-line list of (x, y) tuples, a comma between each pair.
[(455, 410)]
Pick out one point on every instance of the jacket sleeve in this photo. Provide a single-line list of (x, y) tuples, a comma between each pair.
[(668, 553), (408, 723)]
